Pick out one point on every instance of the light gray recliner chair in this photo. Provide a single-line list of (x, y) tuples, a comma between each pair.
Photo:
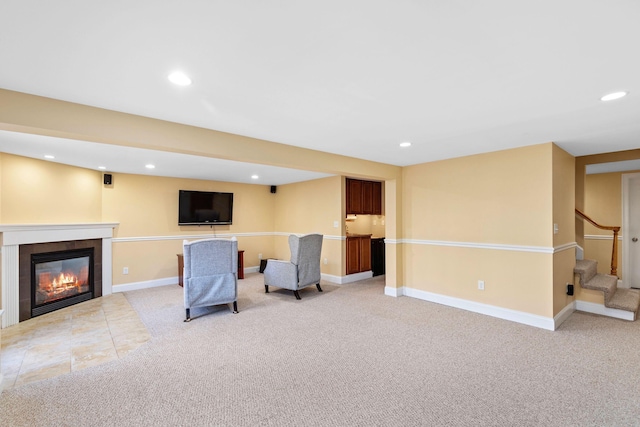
[(210, 273), (304, 268)]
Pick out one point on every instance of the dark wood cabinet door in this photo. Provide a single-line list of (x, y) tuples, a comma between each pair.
[(363, 197), (365, 253), (377, 198), (367, 197), (353, 255), (354, 196)]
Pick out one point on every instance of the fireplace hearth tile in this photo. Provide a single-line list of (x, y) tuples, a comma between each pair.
[(43, 372), (92, 355), (73, 338)]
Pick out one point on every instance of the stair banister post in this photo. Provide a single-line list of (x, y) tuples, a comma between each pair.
[(614, 253)]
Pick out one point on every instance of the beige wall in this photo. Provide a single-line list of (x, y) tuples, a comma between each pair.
[(312, 207), (564, 217), (394, 266), (502, 198), (147, 208), (148, 236), (603, 203), (41, 192)]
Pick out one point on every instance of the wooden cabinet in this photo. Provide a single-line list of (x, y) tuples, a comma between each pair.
[(367, 197), (365, 253), (358, 254), (376, 196), (354, 196), (364, 197)]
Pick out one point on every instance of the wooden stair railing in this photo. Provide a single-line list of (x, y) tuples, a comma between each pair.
[(614, 251)]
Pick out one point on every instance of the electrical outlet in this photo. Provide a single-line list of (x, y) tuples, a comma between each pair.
[(326, 261), (125, 270), (481, 285), (259, 256)]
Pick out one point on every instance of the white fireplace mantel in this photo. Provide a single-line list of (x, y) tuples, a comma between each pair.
[(14, 235)]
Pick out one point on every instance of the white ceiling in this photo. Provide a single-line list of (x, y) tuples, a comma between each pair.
[(352, 77)]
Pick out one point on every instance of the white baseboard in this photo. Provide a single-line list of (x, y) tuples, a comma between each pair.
[(594, 308), (537, 321), (393, 292), (331, 278), (564, 314), (350, 278), (134, 286), (341, 280), (254, 269)]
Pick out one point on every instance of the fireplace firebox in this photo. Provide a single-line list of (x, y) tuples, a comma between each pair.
[(60, 279)]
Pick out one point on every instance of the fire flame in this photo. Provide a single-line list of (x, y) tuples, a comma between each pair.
[(65, 284), (64, 280)]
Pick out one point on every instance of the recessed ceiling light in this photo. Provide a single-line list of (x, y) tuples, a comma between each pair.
[(49, 156), (614, 95), (179, 78), (254, 177), (405, 144), (150, 166), (102, 167)]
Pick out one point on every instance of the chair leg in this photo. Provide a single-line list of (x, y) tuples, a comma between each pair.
[(266, 289), (235, 306), (188, 319), (318, 286), (297, 294)]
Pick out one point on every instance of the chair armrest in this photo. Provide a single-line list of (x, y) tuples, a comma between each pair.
[(282, 274)]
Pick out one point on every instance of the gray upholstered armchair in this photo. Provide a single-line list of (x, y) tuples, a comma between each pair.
[(303, 269), (210, 273)]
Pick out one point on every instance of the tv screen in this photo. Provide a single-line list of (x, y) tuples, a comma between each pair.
[(204, 207)]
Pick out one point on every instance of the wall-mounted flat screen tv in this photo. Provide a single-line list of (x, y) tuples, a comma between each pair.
[(205, 208)]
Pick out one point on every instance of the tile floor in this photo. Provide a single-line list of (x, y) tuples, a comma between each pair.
[(74, 338)]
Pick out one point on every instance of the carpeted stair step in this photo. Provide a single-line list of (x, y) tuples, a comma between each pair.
[(586, 268), (604, 283), (625, 299), (614, 297)]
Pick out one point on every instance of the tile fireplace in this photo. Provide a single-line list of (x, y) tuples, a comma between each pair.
[(45, 267), (55, 275)]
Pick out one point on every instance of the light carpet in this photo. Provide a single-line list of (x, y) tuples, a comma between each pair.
[(349, 356)]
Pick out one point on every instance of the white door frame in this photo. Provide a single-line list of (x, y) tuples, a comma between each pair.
[(626, 177)]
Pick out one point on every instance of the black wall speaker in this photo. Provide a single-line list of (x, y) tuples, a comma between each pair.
[(108, 179), (273, 188)]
